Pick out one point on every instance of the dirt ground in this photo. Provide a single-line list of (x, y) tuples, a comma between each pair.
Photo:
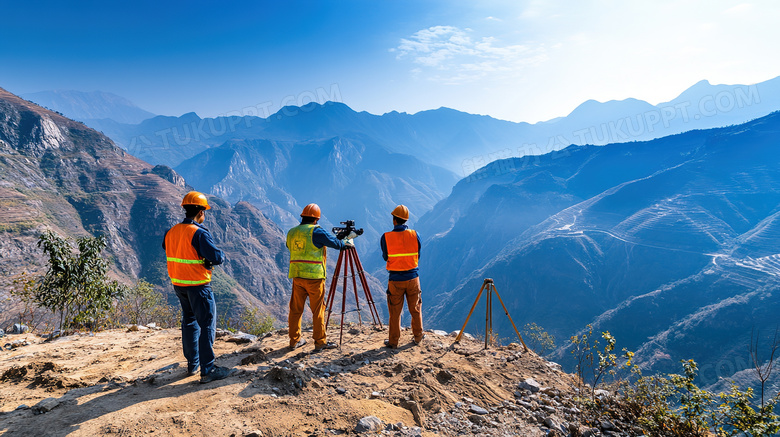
[(134, 383)]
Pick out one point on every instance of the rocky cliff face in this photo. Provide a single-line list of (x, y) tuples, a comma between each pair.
[(58, 174)]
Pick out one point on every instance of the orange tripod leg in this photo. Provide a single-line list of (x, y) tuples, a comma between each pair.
[(460, 334)]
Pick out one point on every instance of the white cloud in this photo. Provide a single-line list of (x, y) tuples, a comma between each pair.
[(742, 8), (450, 55)]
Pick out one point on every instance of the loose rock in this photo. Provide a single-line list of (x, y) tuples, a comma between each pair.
[(368, 423), (46, 405), (530, 384), (477, 409)]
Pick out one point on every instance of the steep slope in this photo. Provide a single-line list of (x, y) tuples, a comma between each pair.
[(58, 174), (350, 178), (672, 240)]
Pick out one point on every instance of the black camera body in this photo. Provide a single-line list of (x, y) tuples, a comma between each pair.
[(348, 231)]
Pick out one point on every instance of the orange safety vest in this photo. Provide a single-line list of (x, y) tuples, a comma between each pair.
[(185, 266), (402, 250)]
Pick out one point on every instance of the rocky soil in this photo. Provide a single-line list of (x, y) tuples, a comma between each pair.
[(131, 383)]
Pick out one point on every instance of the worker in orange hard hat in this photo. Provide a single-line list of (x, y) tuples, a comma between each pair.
[(308, 255), (191, 253), (401, 250)]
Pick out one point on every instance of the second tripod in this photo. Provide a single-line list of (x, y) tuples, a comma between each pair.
[(488, 286), (349, 262)]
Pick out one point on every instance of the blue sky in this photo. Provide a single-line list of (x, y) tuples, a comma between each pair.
[(514, 60)]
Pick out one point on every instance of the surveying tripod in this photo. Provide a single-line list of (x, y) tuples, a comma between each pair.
[(348, 261), (491, 288)]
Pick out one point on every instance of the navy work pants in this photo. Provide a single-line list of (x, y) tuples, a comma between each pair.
[(198, 325)]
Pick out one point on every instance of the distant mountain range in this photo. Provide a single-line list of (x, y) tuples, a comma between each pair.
[(58, 174), (670, 244), (350, 178), (86, 106), (458, 141)]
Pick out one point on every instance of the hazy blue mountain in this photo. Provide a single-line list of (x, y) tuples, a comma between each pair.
[(452, 139), (86, 106), (671, 244), (350, 178), (441, 136)]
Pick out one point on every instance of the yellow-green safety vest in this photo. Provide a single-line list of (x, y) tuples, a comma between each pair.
[(306, 259)]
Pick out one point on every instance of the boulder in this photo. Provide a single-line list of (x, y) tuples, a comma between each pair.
[(19, 329), (242, 338), (530, 384), (465, 335), (45, 405), (477, 409), (368, 423)]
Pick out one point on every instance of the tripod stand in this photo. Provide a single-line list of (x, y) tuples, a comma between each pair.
[(349, 260), (491, 288)]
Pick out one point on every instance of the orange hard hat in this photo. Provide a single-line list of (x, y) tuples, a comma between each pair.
[(401, 212), (311, 210), (195, 198)]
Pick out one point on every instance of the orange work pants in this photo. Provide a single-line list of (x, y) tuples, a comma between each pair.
[(314, 289), (396, 290)]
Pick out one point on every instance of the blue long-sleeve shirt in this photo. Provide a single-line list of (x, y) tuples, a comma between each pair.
[(406, 274), (320, 237), (203, 243)]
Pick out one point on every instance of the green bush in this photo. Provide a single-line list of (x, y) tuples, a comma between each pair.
[(76, 285), (736, 414), (669, 405)]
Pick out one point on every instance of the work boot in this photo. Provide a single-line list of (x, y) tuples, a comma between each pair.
[(417, 342), (192, 371), (327, 345), (390, 346), (300, 343), (215, 374)]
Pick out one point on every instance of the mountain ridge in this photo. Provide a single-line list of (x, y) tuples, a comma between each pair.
[(689, 219), (59, 174)]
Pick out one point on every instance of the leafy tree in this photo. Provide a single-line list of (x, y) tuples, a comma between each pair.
[(76, 285)]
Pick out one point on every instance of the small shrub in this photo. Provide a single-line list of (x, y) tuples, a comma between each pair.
[(142, 304), (252, 321), (736, 414), (248, 319), (538, 339), (22, 296)]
